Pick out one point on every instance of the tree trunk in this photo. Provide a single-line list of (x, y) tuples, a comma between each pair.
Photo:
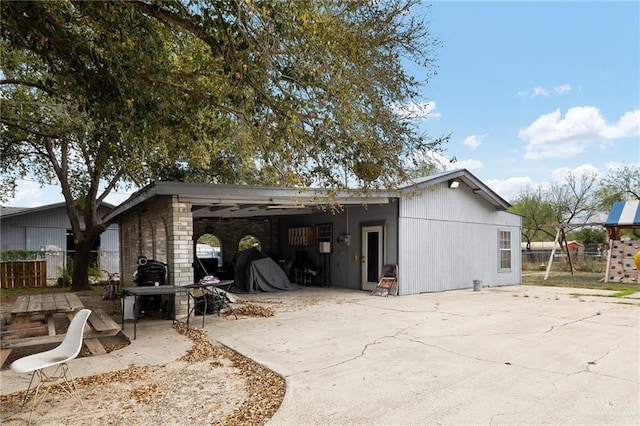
[(82, 261)]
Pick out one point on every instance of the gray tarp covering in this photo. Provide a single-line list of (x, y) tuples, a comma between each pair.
[(266, 275), (255, 271)]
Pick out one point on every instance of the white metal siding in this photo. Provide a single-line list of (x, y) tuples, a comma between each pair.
[(50, 218), (109, 239), (109, 256), (33, 230), (449, 237), (12, 238), (39, 238)]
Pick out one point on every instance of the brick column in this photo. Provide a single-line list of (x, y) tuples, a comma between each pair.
[(180, 249)]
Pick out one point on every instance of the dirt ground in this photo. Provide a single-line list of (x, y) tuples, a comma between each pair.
[(209, 384)]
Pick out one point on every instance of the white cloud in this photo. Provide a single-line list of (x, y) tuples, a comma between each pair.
[(611, 166), (443, 163), (628, 125), (473, 141), (432, 157), (552, 136), (562, 89), (30, 194), (560, 174), (509, 188), (466, 164), (541, 91), (417, 110)]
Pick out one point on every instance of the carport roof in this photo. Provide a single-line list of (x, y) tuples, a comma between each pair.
[(213, 200), (226, 201)]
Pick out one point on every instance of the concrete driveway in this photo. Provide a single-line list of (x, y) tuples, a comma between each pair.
[(509, 355)]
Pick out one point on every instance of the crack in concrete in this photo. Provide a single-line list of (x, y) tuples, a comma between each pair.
[(532, 406), (376, 341)]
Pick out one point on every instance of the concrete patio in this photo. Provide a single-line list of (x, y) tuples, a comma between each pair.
[(508, 355)]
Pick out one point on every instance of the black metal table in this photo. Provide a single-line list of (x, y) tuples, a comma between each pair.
[(152, 291), (203, 286)]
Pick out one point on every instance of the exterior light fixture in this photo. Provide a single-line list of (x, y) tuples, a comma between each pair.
[(453, 183)]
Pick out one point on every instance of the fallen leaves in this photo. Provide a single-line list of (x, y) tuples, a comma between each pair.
[(265, 388), (209, 384), (252, 310)]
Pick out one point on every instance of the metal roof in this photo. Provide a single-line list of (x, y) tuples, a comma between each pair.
[(7, 212), (465, 177), (624, 213), (225, 201)]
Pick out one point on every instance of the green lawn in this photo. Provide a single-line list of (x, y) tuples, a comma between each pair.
[(579, 280)]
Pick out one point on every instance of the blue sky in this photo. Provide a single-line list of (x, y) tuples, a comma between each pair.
[(532, 90), (528, 90)]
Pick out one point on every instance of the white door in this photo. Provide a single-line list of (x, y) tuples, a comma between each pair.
[(372, 240)]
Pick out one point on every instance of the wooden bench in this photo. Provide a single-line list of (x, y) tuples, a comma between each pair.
[(98, 326)]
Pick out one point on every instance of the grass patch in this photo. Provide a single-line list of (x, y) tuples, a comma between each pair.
[(625, 292), (585, 280)]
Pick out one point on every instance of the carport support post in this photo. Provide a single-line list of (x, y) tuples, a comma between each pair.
[(180, 250)]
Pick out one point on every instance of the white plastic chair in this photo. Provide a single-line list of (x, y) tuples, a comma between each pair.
[(66, 351)]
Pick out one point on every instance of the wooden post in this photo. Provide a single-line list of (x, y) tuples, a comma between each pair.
[(566, 245), (606, 271), (553, 252)]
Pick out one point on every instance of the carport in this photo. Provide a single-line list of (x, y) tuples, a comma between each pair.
[(164, 220)]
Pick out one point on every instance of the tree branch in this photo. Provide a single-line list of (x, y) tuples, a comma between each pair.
[(28, 130), (28, 84)]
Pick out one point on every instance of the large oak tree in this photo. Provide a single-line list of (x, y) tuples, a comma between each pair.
[(101, 94)]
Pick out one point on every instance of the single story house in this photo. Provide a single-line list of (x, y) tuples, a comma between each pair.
[(443, 231), (47, 229)]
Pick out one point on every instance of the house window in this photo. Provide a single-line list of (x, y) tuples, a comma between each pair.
[(324, 235), (504, 250)]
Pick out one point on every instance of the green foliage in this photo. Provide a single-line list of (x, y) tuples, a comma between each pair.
[(247, 242), (94, 270), (620, 184), (19, 255), (98, 95), (538, 215), (65, 276), (288, 93), (589, 236), (209, 239)]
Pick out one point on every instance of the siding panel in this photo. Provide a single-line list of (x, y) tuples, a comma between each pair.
[(449, 237)]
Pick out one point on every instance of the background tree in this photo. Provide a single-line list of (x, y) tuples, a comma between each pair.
[(620, 184), (572, 201), (538, 215), (589, 235), (101, 94), (575, 200)]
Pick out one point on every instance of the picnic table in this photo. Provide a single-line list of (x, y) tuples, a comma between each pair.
[(32, 323)]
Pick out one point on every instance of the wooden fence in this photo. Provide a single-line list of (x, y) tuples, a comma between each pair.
[(24, 273)]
